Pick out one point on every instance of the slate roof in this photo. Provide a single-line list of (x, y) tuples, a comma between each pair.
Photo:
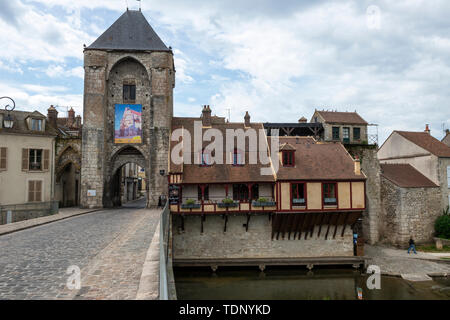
[(427, 142), (21, 127), (318, 161), (130, 32), (406, 176), (342, 117)]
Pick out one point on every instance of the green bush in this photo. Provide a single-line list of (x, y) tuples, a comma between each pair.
[(190, 201), (263, 200), (442, 225), (227, 201)]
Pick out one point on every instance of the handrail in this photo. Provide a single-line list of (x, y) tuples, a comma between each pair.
[(163, 253)]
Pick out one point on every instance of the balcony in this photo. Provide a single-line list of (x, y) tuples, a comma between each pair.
[(222, 198), (219, 207)]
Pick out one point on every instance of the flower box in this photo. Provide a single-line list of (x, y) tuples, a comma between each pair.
[(191, 206), (298, 201), (228, 205), (264, 204)]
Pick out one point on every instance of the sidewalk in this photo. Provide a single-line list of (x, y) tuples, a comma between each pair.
[(397, 262), (64, 213)]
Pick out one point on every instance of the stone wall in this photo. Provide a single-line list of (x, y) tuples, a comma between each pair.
[(214, 243), (105, 73), (371, 167), (408, 212), (28, 211)]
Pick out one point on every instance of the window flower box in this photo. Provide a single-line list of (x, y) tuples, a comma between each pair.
[(228, 205), (264, 203), (191, 206), (298, 201), (330, 201)]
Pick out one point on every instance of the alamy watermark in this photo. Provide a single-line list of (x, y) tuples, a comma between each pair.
[(74, 280), (373, 17), (220, 149)]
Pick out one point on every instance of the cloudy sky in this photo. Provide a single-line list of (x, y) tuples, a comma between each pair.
[(280, 60)]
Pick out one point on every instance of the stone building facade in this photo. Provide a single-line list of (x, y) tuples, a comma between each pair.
[(67, 157), (411, 203), (129, 53)]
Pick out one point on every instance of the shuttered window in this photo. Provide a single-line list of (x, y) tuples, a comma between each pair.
[(3, 157), (46, 160), (34, 191), (25, 160), (448, 176)]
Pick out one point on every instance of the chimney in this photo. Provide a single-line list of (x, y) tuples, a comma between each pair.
[(357, 166), (427, 129), (302, 120), (247, 120), (447, 131), (71, 115), (52, 116), (206, 116)]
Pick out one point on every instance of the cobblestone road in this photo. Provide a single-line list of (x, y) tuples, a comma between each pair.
[(108, 246)]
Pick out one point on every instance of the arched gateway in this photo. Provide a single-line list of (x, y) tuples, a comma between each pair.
[(128, 108)]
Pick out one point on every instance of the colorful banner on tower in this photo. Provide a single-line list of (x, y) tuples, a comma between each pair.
[(128, 123)]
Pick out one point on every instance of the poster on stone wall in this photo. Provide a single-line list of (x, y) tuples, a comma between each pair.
[(128, 123)]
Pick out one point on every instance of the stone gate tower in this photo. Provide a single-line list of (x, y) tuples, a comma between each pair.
[(128, 108)]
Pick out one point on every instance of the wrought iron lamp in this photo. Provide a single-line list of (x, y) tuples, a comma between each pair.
[(8, 121)]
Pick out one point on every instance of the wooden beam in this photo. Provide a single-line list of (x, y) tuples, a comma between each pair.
[(336, 225), (329, 224), (202, 219), (321, 223), (302, 226), (295, 224), (182, 222), (225, 224), (345, 224), (248, 221), (308, 226), (291, 221)]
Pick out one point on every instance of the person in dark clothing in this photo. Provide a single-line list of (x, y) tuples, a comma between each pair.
[(412, 246)]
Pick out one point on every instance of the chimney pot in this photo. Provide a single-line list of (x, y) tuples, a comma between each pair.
[(206, 116), (427, 129), (247, 119)]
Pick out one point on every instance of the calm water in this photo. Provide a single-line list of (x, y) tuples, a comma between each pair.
[(296, 284)]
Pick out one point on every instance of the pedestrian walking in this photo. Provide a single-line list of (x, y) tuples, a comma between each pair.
[(412, 246)]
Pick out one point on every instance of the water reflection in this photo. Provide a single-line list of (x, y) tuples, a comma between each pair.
[(297, 284)]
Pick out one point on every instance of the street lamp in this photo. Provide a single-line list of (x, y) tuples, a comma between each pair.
[(9, 120)]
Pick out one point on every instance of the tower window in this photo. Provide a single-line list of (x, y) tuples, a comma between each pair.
[(129, 92)]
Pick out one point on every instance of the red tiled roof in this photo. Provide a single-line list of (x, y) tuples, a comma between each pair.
[(342, 117), (319, 161), (406, 176), (427, 142)]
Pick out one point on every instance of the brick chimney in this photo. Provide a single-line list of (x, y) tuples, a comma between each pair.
[(357, 166), (71, 115), (427, 129), (52, 116), (302, 120), (206, 116), (247, 120)]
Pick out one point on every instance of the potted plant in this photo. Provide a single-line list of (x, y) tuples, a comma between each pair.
[(263, 202), (228, 203), (190, 204)]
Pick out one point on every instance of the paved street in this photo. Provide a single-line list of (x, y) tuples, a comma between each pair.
[(108, 246)]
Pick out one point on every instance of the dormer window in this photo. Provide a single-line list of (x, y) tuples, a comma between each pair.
[(288, 158), (36, 124)]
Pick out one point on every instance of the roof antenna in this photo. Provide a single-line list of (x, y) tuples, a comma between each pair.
[(126, 2), (140, 4)]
